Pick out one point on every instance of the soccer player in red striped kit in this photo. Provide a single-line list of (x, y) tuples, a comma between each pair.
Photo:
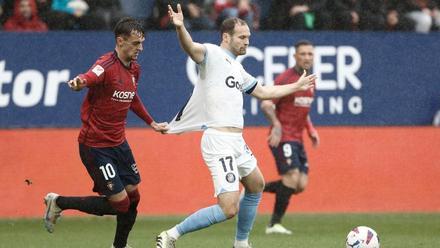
[(289, 116), (112, 90)]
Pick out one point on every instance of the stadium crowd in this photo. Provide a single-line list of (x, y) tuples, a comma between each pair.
[(421, 16)]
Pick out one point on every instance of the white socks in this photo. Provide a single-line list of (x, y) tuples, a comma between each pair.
[(173, 233)]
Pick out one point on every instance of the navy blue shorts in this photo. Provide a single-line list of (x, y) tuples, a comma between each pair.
[(290, 155), (111, 168)]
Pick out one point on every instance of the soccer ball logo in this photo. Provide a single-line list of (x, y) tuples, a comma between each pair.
[(362, 237)]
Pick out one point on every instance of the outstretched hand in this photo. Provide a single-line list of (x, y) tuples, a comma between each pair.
[(176, 18), (314, 137), (76, 84), (306, 82)]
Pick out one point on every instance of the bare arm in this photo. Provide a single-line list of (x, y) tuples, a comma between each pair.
[(277, 91), (268, 109), (311, 131), (195, 50)]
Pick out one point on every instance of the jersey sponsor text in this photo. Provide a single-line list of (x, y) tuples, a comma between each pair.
[(123, 96)]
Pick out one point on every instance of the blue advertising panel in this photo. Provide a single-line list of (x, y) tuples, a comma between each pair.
[(365, 79)]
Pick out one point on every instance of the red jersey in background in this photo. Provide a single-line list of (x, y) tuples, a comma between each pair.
[(292, 110)]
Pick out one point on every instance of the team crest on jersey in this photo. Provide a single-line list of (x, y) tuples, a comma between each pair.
[(230, 177), (98, 70), (110, 185)]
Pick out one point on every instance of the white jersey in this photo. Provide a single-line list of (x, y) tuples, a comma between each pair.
[(217, 98)]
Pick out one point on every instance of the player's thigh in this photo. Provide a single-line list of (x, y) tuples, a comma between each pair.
[(123, 194), (303, 181), (250, 174), (302, 155), (220, 159), (224, 173), (254, 182), (101, 164), (291, 178), (127, 167)]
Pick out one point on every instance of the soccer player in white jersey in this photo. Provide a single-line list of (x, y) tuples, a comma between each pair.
[(216, 107)]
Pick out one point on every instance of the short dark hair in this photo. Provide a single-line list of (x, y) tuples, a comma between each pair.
[(228, 25), (126, 25), (303, 43)]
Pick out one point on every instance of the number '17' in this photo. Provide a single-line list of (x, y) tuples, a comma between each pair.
[(223, 161)]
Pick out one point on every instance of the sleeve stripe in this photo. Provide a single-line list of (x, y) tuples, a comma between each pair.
[(251, 87)]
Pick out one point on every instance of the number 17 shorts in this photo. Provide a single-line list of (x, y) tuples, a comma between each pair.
[(228, 159)]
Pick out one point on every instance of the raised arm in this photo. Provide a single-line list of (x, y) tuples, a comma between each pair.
[(195, 50), (277, 91)]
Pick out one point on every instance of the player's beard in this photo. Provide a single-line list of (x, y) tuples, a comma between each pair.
[(242, 50)]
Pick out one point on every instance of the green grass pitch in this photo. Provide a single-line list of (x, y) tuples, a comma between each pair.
[(310, 230)]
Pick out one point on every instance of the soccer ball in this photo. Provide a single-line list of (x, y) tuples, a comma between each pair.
[(362, 237)]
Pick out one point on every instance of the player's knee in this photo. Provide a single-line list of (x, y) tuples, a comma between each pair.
[(260, 186), (230, 211), (257, 186), (291, 180), (121, 206), (299, 189)]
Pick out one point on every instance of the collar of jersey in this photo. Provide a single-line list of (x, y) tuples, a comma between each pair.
[(229, 53), (122, 63)]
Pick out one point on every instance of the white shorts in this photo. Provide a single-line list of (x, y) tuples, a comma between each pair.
[(228, 159)]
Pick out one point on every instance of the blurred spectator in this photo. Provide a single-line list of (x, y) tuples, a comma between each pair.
[(372, 15), (431, 8), (236, 8), (7, 10), (436, 14), (298, 15), (323, 17), (196, 17), (109, 11), (81, 19), (141, 10), (395, 17), (346, 14), (56, 20), (418, 11), (263, 8), (25, 18)]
